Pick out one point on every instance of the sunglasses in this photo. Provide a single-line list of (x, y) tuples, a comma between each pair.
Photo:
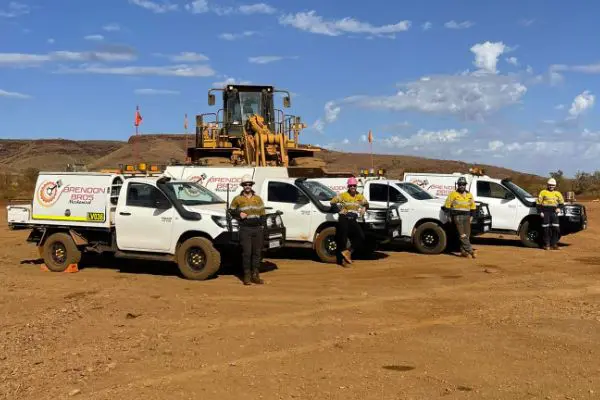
[(247, 185), (351, 186)]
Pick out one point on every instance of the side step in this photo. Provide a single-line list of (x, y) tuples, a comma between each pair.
[(144, 256)]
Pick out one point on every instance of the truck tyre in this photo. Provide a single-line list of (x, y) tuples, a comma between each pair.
[(430, 238), (531, 234), (325, 245), (197, 259), (59, 251)]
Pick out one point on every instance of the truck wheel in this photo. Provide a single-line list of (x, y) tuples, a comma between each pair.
[(59, 251), (531, 234), (430, 238), (197, 259), (326, 247)]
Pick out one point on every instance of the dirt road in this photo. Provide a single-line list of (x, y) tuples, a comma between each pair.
[(514, 324)]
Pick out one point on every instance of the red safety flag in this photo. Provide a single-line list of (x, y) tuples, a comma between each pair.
[(370, 136), (138, 116)]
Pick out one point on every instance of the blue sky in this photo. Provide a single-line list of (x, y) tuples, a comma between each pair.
[(510, 83)]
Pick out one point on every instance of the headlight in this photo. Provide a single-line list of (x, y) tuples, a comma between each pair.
[(221, 221), (279, 221), (270, 222)]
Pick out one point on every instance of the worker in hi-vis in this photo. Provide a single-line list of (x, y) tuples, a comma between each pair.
[(461, 206), (549, 203)]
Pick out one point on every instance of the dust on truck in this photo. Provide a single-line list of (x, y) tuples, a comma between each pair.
[(135, 217)]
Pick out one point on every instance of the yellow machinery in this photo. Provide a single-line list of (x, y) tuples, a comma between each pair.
[(248, 130)]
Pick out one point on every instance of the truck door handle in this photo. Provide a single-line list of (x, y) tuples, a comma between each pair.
[(124, 213)]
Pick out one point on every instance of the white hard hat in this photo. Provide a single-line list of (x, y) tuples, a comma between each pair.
[(246, 179), (552, 181)]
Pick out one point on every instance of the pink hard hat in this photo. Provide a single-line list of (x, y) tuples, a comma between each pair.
[(352, 181)]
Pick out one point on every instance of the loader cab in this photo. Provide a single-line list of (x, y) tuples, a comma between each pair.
[(242, 101)]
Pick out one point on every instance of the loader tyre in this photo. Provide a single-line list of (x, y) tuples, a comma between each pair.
[(310, 162), (211, 161), (59, 251), (430, 238), (198, 259), (326, 247)]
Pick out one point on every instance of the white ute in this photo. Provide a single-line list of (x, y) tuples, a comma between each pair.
[(424, 223), (513, 209), (306, 212), (152, 218)]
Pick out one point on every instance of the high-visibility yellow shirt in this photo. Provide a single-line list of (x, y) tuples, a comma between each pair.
[(253, 206), (350, 203), (460, 201), (548, 198)]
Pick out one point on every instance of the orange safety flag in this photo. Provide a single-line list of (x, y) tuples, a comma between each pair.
[(138, 116), (370, 136), (185, 123)]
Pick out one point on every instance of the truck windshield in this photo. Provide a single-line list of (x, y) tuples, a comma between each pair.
[(320, 191), (414, 191), (519, 191), (192, 194)]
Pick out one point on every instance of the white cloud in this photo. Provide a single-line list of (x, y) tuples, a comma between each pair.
[(331, 112), (470, 96), (14, 9), (345, 141), (581, 104), (458, 25), (158, 7), (235, 36), (527, 22), (183, 70), (96, 56), (94, 37), (111, 54), (486, 55), (427, 26), (188, 56), (268, 59), (559, 107), (586, 68), (311, 22), (513, 61), (51, 41), (426, 138), (155, 92), (495, 145), (112, 27), (259, 8), (14, 95), (319, 126), (363, 138), (230, 81), (197, 7), (587, 134)]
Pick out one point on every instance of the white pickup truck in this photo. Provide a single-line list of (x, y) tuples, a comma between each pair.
[(309, 220), (513, 209), (151, 218), (424, 223)]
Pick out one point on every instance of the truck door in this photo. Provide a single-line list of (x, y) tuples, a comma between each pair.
[(502, 203), (296, 207), (377, 195), (144, 219)]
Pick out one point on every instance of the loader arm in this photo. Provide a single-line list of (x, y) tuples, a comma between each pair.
[(268, 146)]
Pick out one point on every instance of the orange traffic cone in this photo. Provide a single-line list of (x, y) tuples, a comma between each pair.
[(72, 268)]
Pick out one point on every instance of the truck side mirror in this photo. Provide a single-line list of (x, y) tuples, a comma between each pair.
[(287, 101), (509, 196), (303, 199), (211, 99)]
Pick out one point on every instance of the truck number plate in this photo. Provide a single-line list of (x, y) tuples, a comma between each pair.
[(95, 216), (273, 243)]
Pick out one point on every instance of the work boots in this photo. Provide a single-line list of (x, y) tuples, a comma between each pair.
[(256, 278), (247, 279), (347, 256)]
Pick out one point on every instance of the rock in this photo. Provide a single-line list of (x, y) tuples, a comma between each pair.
[(74, 392), (491, 271)]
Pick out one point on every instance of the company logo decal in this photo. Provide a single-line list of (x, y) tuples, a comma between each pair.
[(51, 191)]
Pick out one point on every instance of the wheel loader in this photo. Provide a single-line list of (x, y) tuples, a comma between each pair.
[(249, 130)]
